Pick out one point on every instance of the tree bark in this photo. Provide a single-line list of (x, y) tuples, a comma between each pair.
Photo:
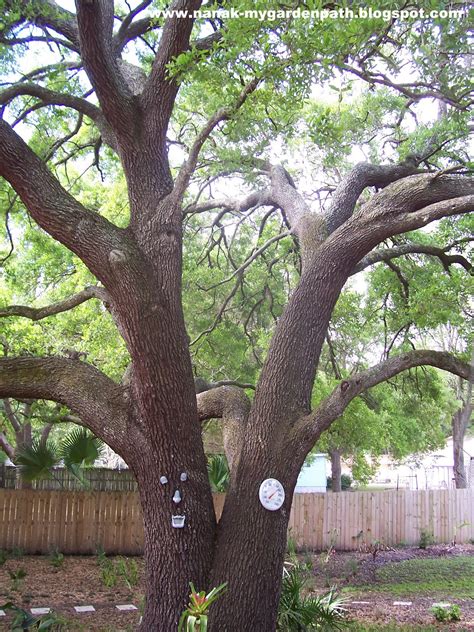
[(336, 485), (459, 424)]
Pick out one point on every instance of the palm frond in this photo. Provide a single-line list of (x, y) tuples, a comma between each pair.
[(36, 461)]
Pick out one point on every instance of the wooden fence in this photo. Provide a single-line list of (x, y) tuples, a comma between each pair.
[(98, 478), (81, 522)]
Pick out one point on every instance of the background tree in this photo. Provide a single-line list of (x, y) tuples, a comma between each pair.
[(247, 82)]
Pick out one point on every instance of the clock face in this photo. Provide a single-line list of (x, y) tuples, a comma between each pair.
[(271, 494)]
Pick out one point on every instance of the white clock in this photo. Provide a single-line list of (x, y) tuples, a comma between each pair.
[(271, 494)]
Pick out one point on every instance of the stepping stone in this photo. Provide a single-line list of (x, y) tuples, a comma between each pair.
[(127, 606), (403, 603), (38, 611), (2, 614), (84, 608), (359, 603), (441, 605)]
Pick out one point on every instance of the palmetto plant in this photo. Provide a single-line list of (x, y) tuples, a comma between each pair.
[(78, 449), (298, 613), (219, 474)]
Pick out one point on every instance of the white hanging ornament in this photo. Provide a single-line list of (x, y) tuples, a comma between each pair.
[(163, 480), (177, 497), (183, 477), (177, 522)]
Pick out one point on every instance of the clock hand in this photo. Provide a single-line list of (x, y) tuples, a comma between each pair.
[(272, 494)]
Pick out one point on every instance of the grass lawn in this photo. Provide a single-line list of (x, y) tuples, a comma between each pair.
[(450, 577)]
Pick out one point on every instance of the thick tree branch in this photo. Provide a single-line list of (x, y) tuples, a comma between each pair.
[(95, 22), (253, 200), (50, 97), (10, 415), (310, 427), (402, 206), (88, 392), (90, 236), (388, 254), (6, 446), (349, 190), (160, 90), (231, 405), (38, 313)]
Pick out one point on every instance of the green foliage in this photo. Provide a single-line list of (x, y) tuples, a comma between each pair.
[(426, 539), (79, 449), (56, 559), (127, 569), (445, 614), (108, 573), (3, 556), (298, 613), (346, 482), (23, 620), (219, 473), (194, 618), (17, 576), (36, 461)]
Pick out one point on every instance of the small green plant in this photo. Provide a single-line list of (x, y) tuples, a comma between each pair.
[(297, 613), (426, 539), (101, 555), (194, 618), (56, 559), (445, 614), (351, 567), (17, 577), (108, 574), (3, 557), (23, 620), (128, 570), (17, 553)]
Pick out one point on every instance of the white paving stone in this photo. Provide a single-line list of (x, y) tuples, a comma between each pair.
[(84, 608), (441, 605), (365, 603), (126, 606), (403, 603), (38, 611), (2, 614)]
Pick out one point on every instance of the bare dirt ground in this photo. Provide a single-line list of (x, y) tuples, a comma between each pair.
[(77, 582)]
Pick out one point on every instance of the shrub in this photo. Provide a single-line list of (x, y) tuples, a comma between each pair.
[(445, 614), (346, 482), (56, 559), (426, 539)]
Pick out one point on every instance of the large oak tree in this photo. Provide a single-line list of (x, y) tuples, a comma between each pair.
[(257, 72)]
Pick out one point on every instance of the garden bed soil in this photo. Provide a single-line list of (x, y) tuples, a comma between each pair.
[(79, 581)]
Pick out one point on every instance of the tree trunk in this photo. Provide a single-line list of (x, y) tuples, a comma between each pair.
[(459, 424), (460, 478), (336, 484), (250, 552), (174, 556)]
